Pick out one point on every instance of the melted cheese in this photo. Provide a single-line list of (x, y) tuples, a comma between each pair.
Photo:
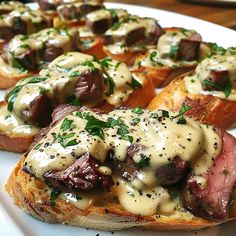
[(147, 202), (11, 124), (162, 139), (122, 77), (227, 61), (106, 14)]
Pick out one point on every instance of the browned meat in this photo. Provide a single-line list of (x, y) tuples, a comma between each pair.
[(51, 52), (188, 50), (69, 12), (135, 36), (19, 26), (108, 39), (83, 174), (28, 60), (172, 172), (39, 112), (100, 26), (217, 80), (45, 5), (214, 200), (6, 33), (90, 86)]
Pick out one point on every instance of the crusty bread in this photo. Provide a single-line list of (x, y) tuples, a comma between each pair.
[(95, 47), (205, 108), (33, 196), (14, 143), (57, 22), (127, 57), (160, 75)]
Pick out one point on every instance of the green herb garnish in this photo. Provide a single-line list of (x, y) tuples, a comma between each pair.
[(173, 51), (181, 119), (54, 195), (138, 110), (135, 83), (144, 161)]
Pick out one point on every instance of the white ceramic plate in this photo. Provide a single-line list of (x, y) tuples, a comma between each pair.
[(15, 222)]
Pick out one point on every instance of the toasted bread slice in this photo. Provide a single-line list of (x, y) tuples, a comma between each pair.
[(160, 75), (127, 57), (33, 196), (92, 46), (205, 108)]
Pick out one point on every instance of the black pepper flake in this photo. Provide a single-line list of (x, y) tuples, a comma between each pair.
[(46, 145), (148, 195), (52, 156), (189, 139)]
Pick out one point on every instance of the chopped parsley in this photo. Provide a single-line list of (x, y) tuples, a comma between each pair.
[(135, 83), (38, 146), (17, 64), (54, 195), (180, 116), (117, 25), (106, 62), (67, 125), (225, 88), (75, 74), (173, 51), (136, 120), (144, 161), (225, 172), (138, 110)]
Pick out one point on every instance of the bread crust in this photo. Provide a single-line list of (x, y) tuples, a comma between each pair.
[(14, 143), (160, 75), (128, 57), (7, 81), (32, 196), (205, 108)]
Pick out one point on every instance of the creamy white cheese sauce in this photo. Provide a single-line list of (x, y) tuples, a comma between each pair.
[(11, 5), (106, 14), (11, 124), (163, 139), (226, 61), (58, 37)]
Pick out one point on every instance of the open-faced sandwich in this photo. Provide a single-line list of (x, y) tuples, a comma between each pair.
[(74, 78), (210, 90), (9, 6), (177, 51), (152, 169)]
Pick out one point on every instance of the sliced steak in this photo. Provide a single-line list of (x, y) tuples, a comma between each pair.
[(6, 33), (217, 81), (39, 112), (172, 172), (90, 86), (188, 50), (99, 26), (51, 52), (83, 174), (19, 26), (213, 201), (45, 5)]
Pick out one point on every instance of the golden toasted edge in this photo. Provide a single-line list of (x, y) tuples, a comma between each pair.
[(33, 195)]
